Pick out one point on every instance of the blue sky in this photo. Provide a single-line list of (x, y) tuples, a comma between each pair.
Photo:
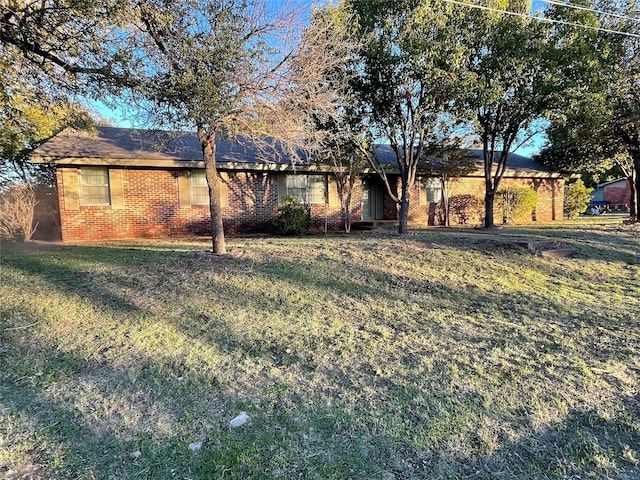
[(127, 118), (119, 118)]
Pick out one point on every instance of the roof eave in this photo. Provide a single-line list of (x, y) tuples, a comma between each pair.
[(242, 166), (150, 163)]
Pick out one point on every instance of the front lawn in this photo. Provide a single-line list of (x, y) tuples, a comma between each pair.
[(444, 354)]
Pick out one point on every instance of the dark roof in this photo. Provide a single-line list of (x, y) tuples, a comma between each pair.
[(516, 163), (128, 143), (129, 146)]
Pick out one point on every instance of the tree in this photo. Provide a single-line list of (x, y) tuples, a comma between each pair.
[(324, 95), (623, 92), (595, 141), (346, 162), (602, 127), (70, 44), (518, 70), (26, 121), (220, 68), (576, 197), (406, 69), (50, 49), (447, 161)]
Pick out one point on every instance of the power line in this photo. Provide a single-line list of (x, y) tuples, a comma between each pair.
[(587, 9), (544, 19)]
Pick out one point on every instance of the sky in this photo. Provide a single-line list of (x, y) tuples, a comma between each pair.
[(122, 118)]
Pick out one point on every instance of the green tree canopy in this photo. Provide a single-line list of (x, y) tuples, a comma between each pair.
[(407, 64), (74, 45), (27, 120), (601, 128), (518, 70), (219, 68)]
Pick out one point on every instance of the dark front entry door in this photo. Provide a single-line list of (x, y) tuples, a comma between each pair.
[(372, 200)]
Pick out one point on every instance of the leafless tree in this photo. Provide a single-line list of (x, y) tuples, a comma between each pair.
[(17, 204), (322, 93)]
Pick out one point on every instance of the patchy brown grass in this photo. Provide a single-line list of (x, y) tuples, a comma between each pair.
[(444, 354)]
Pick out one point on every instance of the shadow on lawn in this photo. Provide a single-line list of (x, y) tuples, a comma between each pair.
[(515, 310), (592, 244), (52, 440), (72, 270), (73, 416), (584, 445), (285, 416)]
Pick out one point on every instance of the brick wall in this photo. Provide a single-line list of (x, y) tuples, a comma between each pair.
[(548, 208), (151, 206), (618, 193)]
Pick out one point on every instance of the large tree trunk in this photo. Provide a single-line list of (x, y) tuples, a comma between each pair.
[(634, 206), (403, 220), (489, 202), (493, 178), (208, 142)]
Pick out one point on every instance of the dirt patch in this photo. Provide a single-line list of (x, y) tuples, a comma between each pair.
[(550, 249)]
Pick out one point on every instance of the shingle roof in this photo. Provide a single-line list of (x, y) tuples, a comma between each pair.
[(126, 146), (127, 143), (516, 164)]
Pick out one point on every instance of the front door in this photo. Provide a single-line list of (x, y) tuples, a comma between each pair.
[(372, 199)]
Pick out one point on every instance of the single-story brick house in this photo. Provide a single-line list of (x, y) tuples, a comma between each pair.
[(128, 183)]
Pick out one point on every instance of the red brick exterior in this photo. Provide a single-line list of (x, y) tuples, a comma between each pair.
[(150, 209), (548, 208), (151, 206), (618, 193)]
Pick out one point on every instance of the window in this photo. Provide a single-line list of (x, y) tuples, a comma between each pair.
[(317, 185), (309, 189), (199, 188), (297, 187), (433, 190), (94, 186)]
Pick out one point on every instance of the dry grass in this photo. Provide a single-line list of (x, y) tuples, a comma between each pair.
[(446, 354)]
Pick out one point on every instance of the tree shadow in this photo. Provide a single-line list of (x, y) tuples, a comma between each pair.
[(81, 416), (79, 280), (254, 201), (302, 425), (599, 246), (586, 444)]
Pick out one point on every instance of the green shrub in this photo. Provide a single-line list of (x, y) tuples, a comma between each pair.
[(516, 203), (576, 197), (293, 218)]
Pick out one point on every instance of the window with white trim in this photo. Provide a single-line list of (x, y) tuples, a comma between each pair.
[(433, 190), (309, 189), (94, 186), (199, 188)]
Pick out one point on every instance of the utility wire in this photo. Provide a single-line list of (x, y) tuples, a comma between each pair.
[(544, 19), (587, 9)]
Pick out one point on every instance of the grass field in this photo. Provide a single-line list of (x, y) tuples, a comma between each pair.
[(444, 354)]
